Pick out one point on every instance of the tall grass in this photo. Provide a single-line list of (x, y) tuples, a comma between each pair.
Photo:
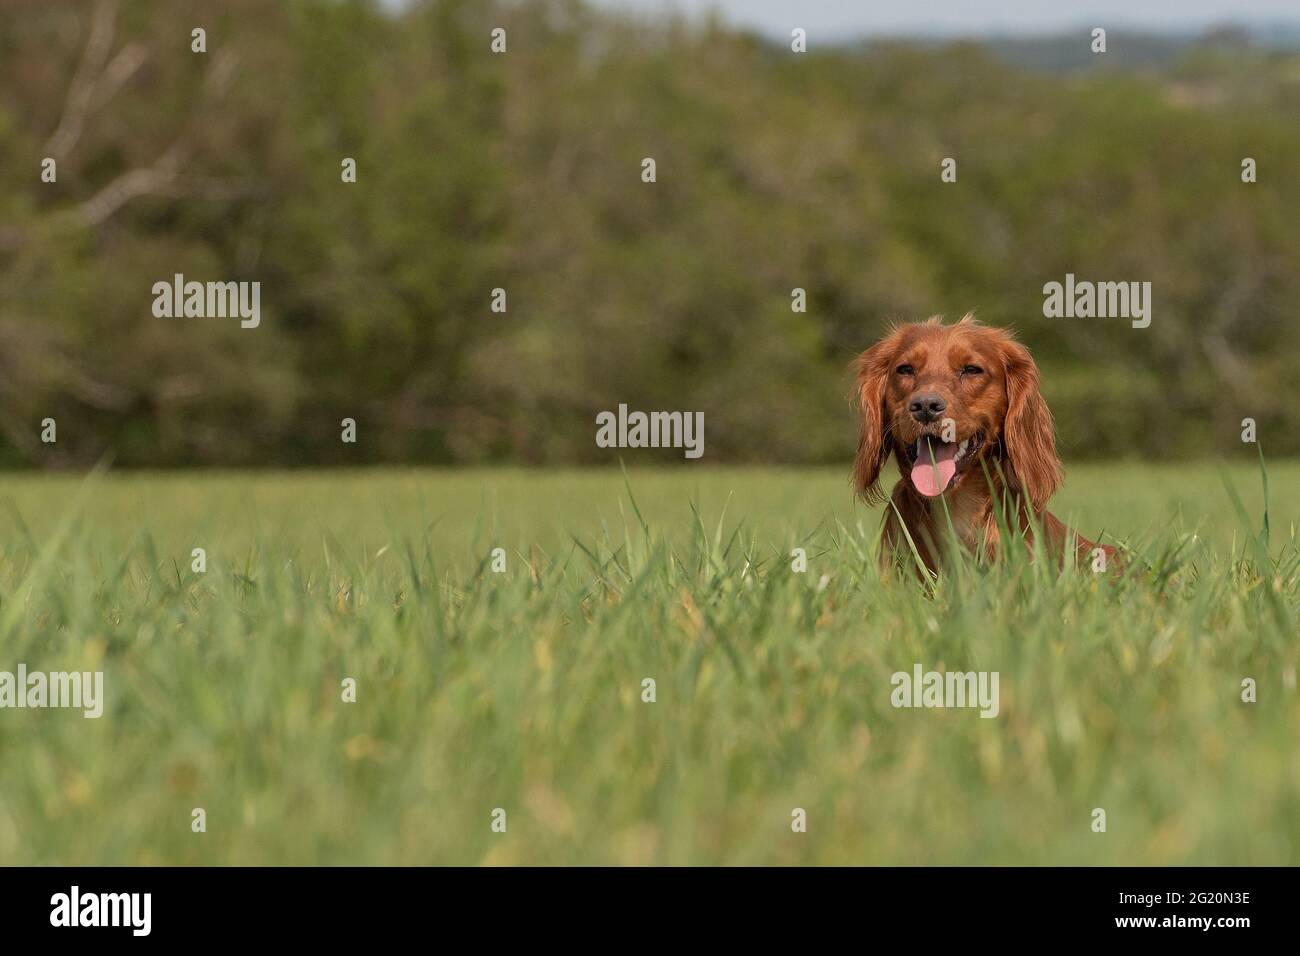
[(523, 690)]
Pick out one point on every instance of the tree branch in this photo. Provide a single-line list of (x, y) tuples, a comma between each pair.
[(132, 185), (128, 61), (161, 176), (81, 92)]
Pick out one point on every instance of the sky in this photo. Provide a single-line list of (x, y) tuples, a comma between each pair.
[(842, 19)]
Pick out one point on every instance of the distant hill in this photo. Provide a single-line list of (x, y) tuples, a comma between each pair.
[(1073, 51), (1126, 48)]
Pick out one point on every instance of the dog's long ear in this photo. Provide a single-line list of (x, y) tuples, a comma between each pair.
[(871, 370), (1027, 433)]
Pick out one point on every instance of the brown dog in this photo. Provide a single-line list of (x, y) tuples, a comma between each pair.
[(954, 403)]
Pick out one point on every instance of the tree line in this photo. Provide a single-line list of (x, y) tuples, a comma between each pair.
[(492, 271)]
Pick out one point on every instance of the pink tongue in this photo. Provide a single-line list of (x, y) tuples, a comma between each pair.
[(931, 479)]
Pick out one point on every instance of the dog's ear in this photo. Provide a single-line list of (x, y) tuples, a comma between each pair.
[(871, 373), (1027, 433)]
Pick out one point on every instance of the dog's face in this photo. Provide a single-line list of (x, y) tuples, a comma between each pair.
[(943, 398)]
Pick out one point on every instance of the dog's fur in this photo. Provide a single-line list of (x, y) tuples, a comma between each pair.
[(989, 383)]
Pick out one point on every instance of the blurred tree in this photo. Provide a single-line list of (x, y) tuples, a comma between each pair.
[(521, 170)]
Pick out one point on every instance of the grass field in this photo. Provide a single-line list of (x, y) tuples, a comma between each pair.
[(523, 690)]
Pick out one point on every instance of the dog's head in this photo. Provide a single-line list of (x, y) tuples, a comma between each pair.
[(945, 397)]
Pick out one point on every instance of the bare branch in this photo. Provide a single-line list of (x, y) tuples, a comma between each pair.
[(161, 177), (82, 91), (132, 185), (128, 61), (1231, 370), (225, 63)]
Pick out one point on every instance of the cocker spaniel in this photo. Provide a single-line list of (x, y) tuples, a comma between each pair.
[(960, 409)]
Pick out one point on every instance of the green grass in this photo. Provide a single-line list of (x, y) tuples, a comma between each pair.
[(522, 690)]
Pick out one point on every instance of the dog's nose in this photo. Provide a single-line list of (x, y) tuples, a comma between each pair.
[(927, 407)]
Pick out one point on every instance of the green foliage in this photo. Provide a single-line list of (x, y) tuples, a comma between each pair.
[(522, 690), (521, 171)]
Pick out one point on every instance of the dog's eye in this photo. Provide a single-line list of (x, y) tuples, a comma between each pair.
[(905, 370), (972, 370)]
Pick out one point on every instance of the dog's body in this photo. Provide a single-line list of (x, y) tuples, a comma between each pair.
[(960, 409), (974, 521)]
